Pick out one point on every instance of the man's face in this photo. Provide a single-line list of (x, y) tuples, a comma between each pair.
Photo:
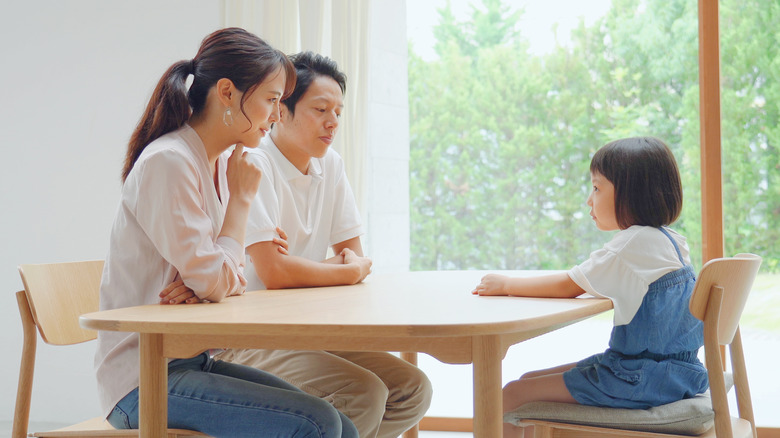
[(313, 127)]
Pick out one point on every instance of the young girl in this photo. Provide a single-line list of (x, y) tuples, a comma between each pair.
[(645, 270), (180, 228)]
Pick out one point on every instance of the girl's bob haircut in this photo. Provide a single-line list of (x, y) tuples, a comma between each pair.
[(648, 190)]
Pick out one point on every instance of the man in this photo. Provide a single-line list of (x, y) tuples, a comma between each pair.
[(305, 199)]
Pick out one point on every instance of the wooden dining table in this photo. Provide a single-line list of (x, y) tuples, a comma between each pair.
[(430, 312)]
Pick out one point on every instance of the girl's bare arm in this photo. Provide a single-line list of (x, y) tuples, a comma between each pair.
[(557, 285)]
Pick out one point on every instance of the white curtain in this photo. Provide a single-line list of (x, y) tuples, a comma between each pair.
[(334, 28)]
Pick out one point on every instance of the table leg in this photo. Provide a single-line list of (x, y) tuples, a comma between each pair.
[(411, 357), (488, 418), (153, 390)]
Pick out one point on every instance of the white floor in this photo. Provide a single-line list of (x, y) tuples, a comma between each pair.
[(5, 431), (425, 434), (5, 428)]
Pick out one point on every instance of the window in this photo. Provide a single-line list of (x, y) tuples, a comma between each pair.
[(509, 100)]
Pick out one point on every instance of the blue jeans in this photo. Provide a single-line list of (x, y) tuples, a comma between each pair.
[(222, 399)]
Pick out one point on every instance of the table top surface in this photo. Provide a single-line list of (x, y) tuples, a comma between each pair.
[(411, 304)]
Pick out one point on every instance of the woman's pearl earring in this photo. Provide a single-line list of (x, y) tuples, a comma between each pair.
[(227, 117)]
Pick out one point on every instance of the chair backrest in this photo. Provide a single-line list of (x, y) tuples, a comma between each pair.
[(735, 275), (58, 293), (719, 299)]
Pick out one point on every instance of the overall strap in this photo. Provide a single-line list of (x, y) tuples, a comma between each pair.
[(676, 248)]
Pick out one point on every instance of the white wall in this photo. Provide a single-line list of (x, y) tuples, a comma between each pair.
[(387, 239), (74, 77)]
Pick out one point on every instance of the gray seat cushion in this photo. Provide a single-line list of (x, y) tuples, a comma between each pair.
[(692, 416)]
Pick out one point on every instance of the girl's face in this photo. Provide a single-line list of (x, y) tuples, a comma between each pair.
[(261, 108), (602, 203)]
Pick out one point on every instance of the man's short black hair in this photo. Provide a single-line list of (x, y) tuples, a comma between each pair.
[(309, 66)]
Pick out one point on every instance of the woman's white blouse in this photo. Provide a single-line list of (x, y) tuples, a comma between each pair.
[(166, 227)]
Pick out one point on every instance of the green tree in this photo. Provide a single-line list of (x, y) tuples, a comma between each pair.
[(750, 94), (491, 182), (501, 139)]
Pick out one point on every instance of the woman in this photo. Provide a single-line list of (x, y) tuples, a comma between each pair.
[(180, 230)]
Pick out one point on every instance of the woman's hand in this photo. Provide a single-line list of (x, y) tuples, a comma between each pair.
[(363, 263), (492, 284), (283, 247), (178, 293), (242, 175)]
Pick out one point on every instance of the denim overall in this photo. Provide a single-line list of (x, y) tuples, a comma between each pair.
[(652, 360)]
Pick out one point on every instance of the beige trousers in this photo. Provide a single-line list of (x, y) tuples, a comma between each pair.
[(382, 394)]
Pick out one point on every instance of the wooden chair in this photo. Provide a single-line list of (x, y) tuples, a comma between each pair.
[(718, 299), (54, 297)]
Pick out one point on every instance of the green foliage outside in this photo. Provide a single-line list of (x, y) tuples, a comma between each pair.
[(501, 139), (761, 309)]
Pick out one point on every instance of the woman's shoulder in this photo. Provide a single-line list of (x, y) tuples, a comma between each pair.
[(171, 156), (172, 145)]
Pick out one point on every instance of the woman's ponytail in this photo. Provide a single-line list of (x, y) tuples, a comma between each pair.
[(168, 110), (231, 53)]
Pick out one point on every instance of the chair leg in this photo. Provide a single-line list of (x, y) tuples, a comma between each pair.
[(744, 402), (538, 431), (26, 369)]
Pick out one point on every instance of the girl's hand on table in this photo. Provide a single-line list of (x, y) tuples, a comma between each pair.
[(491, 284)]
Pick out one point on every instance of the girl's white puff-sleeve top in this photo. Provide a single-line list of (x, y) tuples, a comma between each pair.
[(166, 227), (624, 268)]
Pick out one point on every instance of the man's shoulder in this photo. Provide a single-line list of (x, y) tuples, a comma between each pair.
[(332, 161), (260, 157)]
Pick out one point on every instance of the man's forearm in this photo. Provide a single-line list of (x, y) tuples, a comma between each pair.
[(337, 259), (293, 271)]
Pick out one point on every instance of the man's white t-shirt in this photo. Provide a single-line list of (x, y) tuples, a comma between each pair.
[(624, 268), (316, 210)]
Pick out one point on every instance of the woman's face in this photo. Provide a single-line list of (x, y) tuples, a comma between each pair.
[(261, 109), (602, 203)]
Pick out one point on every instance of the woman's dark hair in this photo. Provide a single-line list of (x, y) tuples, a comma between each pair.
[(231, 53), (308, 67), (648, 190)]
